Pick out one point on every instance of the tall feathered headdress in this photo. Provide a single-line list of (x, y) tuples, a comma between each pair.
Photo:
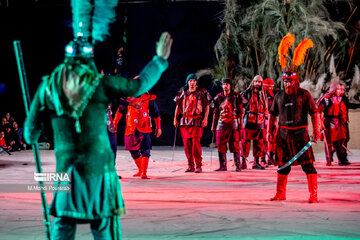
[(298, 56), (91, 19), (284, 47)]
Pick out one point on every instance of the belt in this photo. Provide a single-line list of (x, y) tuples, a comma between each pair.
[(294, 128)]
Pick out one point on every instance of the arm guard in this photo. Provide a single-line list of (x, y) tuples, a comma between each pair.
[(158, 122)]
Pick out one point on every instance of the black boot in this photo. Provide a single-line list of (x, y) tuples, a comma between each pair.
[(237, 161), (332, 151), (342, 156), (263, 162), (256, 165), (243, 163), (190, 169), (331, 154), (271, 160), (222, 160), (343, 161)]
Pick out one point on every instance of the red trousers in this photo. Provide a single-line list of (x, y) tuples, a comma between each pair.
[(191, 139), (193, 151), (230, 136), (257, 148), (270, 146)]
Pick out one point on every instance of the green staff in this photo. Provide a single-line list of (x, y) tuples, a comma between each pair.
[(35, 147)]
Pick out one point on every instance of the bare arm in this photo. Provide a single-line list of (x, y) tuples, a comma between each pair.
[(117, 118), (177, 112), (271, 124), (215, 122), (315, 123), (205, 121)]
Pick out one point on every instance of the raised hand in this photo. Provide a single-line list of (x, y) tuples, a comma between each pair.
[(163, 46)]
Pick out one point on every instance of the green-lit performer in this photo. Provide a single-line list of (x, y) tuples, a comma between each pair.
[(76, 96)]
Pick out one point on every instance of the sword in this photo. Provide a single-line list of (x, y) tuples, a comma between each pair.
[(264, 149), (297, 155), (5, 150), (347, 149), (241, 147), (327, 154), (211, 147), (172, 159), (35, 147)]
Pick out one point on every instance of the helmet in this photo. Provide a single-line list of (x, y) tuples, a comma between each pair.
[(79, 47), (289, 74)]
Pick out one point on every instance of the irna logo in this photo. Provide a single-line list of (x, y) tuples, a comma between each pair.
[(52, 177)]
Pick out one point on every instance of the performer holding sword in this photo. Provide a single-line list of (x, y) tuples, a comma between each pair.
[(292, 105)]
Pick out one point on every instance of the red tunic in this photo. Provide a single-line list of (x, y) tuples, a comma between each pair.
[(292, 136), (2, 142), (192, 106), (139, 118), (229, 109), (335, 115), (254, 118)]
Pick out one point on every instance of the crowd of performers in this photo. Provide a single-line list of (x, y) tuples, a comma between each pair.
[(277, 125), (242, 118)]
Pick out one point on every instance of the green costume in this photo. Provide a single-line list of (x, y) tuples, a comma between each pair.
[(76, 97)]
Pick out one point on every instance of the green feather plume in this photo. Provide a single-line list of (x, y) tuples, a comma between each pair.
[(82, 11), (92, 18), (104, 14)]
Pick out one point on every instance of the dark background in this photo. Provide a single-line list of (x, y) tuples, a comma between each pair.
[(44, 28)]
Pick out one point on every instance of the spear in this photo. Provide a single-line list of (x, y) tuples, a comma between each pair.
[(35, 147)]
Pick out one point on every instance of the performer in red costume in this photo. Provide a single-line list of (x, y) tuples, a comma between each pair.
[(138, 129), (335, 117), (292, 105), (192, 103), (345, 125), (227, 122), (270, 146), (254, 130)]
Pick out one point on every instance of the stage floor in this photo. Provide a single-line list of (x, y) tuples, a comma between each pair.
[(210, 205)]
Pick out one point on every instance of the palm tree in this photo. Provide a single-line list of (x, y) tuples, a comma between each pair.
[(254, 36)]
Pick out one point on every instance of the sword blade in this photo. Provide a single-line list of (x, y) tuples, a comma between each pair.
[(326, 146), (172, 159), (347, 149), (212, 141), (296, 156)]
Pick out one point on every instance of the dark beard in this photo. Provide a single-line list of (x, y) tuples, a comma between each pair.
[(289, 90), (258, 87)]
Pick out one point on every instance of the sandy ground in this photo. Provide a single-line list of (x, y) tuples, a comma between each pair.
[(222, 205)]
